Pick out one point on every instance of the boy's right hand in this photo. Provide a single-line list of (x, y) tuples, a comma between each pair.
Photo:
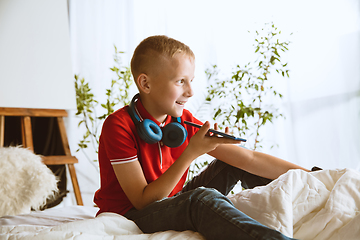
[(202, 142)]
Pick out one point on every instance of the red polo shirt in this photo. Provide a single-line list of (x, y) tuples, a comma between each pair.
[(120, 143)]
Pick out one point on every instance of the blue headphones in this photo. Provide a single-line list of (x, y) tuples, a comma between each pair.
[(172, 135)]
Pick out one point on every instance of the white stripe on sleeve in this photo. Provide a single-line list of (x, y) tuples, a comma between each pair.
[(123, 160)]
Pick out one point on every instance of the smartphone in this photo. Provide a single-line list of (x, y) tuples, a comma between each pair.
[(216, 132)]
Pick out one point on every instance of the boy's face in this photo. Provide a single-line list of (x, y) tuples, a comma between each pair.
[(170, 87)]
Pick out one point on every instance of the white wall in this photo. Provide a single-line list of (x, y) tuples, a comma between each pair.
[(35, 62)]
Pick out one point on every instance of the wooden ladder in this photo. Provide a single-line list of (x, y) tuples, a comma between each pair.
[(25, 115)]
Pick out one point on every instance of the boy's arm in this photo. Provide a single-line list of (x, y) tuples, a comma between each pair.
[(141, 194), (258, 163)]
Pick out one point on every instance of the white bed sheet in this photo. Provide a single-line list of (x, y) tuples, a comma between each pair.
[(78, 222), (51, 217)]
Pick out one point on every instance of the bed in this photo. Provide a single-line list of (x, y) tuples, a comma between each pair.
[(318, 205)]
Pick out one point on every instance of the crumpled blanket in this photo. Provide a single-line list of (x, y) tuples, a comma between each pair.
[(316, 205)]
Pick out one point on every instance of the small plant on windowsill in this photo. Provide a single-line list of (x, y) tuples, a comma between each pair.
[(116, 96), (240, 100)]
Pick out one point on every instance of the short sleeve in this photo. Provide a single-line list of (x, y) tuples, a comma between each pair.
[(118, 141)]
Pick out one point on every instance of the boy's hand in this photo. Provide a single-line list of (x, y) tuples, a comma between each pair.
[(227, 131), (202, 142)]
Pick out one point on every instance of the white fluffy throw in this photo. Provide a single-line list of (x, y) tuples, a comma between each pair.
[(25, 182)]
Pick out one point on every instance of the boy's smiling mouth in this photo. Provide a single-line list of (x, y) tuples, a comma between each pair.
[(180, 102)]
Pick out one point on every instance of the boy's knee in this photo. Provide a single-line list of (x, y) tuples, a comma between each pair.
[(203, 194)]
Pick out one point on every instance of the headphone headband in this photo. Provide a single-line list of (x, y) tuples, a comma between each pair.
[(133, 115)]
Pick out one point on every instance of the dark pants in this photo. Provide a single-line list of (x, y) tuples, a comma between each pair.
[(202, 206)]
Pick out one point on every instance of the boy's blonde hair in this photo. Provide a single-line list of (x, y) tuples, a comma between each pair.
[(148, 53)]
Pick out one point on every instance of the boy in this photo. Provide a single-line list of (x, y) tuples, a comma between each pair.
[(143, 178)]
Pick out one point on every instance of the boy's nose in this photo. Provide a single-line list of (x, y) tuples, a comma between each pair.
[(189, 91)]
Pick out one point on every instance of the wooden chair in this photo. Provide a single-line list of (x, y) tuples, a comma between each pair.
[(25, 115)]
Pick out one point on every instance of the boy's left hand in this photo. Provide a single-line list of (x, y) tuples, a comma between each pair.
[(227, 131), (202, 142)]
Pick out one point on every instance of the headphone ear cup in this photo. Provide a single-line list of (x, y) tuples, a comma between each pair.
[(149, 131), (174, 135)]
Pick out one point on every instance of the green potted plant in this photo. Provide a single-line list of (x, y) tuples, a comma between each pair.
[(116, 96), (239, 100)]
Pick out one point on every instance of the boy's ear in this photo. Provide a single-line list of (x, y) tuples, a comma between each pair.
[(143, 82)]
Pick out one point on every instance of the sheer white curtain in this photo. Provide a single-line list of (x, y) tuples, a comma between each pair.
[(321, 98)]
